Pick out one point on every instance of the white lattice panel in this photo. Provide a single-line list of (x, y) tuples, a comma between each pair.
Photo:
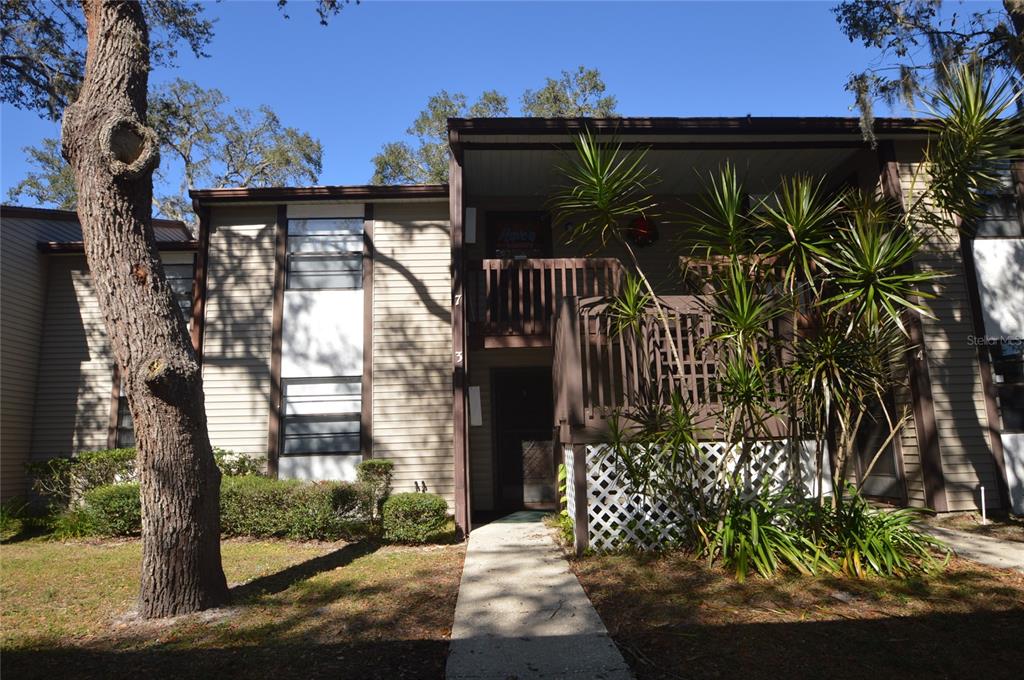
[(619, 516)]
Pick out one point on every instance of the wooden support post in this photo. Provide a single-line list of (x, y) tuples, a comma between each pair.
[(581, 521)]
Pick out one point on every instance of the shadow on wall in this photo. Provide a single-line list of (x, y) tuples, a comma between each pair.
[(237, 343), (76, 366)]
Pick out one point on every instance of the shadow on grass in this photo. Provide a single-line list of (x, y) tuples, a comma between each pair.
[(373, 660), (281, 581)]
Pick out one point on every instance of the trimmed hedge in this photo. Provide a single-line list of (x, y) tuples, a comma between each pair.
[(114, 510), (414, 517), (64, 481), (375, 475), (258, 507)]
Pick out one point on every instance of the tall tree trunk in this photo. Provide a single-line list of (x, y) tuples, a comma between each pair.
[(113, 155)]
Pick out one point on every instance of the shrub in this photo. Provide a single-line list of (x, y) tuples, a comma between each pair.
[(65, 481), (114, 510), (328, 511), (265, 508), (865, 540), (233, 464), (414, 517), (375, 476), (73, 523), (255, 506)]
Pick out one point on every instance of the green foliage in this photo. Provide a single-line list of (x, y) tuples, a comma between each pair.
[(426, 161), (12, 514), (605, 187), (266, 508), (414, 517), (64, 481), (112, 510), (862, 540), (579, 93), (73, 523), (51, 182), (772, 530), (916, 43), (375, 476), (234, 464), (759, 534), (630, 307), (423, 158)]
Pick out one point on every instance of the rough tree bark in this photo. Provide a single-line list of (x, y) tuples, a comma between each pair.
[(113, 155)]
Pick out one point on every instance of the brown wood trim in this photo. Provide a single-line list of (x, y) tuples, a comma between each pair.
[(74, 247), (280, 254), (673, 146), (460, 355), (199, 287), (917, 361), (366, 414), (115, 397), (581, 519), (336, 193), (767, 125), (985, 369)]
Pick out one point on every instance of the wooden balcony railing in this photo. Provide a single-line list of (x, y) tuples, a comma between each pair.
[(597, 373), (511, 303)]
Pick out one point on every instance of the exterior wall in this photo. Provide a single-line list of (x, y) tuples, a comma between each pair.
[(239, 319), (412, 345), (958, 396), (23, 276), (481, 437), (76, 366)]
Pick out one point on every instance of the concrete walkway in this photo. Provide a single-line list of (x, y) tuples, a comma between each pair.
[(521, 613), (991, 551)]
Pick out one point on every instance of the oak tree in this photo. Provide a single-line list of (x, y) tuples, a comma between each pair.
[(113, 153)]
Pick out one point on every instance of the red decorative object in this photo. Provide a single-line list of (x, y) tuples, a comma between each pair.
[(642, 231)]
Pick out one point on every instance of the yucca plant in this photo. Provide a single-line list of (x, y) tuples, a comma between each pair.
[(800, 221), (606, 187)]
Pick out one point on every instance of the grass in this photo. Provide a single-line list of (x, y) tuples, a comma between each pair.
[(673, 617), (300, 610)]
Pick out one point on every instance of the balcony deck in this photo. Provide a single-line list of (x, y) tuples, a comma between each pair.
[(512, 303)]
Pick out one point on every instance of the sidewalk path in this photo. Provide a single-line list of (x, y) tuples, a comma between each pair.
[(991, 551), (521, 613)]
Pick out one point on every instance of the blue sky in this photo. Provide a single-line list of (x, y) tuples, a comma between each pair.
[(360, 81)]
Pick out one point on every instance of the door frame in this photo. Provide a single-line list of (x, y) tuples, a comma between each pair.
[(494, 374)]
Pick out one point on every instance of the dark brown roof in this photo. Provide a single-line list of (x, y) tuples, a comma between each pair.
[(335, 193), (753, 125), (62, 233)]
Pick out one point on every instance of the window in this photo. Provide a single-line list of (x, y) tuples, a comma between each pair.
[(179, 278), (321, 415), (325, 254), (1008, 371), (125, 435), (1002, 217)]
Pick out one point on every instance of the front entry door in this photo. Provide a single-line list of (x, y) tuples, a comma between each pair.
[(523, 417)]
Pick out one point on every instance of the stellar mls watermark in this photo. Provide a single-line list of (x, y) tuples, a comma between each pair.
[(987, 340)]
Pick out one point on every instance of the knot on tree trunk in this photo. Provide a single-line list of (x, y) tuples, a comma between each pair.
[(129, 148), (168, 379)]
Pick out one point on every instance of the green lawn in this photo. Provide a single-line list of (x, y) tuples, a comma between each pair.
[(302, 610), (673, 617)]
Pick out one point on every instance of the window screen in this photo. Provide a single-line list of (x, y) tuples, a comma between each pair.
[(325, 254), (321, 415)]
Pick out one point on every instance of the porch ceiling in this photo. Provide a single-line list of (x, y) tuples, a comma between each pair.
[(533, 171)]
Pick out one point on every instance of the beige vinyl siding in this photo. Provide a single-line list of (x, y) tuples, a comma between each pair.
[(237, 336), (22, 298), (481, 437), (958, 397), (412, 345), (76, 366)]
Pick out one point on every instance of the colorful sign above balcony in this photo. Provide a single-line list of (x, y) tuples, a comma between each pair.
[(517, 235)]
